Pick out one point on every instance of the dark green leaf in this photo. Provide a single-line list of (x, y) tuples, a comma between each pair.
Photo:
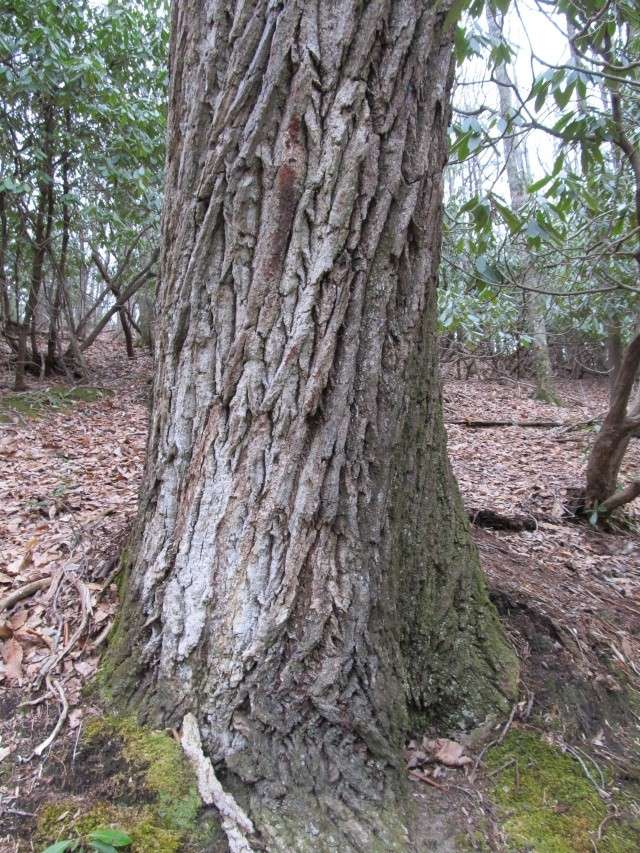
[(61, 846), (100, 847), (512, 219), (537, 185), (107, 835)]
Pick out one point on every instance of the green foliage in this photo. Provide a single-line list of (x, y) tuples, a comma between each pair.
[(574, 234), (82, 101), (104, 839), (147, 834)]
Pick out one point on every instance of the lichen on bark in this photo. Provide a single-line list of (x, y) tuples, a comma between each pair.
[(302, 578)]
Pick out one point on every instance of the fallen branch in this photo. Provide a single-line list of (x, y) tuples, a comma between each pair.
[(497, 521), (490, 424), (625, 496), (235, 822), (419, 776), (23, 592)]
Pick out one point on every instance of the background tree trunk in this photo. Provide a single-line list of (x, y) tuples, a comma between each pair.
[(516, 167), (302, 578), (610, 446)]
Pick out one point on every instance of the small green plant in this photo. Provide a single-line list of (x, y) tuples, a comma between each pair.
[(102, 840)]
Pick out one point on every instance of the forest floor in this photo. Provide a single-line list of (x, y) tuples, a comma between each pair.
[(561, 774)]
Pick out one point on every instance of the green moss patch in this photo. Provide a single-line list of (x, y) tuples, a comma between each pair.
[(70, 819), (159, 759), (34, 404), (135, 779), (547, 802)]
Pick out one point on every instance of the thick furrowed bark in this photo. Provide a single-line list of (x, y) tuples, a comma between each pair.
[(302, 579)]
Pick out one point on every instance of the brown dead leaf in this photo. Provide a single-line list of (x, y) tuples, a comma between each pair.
[(12, 654), (447, 752), (18, 619), (87, 667), (5, 751)]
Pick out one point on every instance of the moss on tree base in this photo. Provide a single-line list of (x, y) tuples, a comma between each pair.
[(138, 780)]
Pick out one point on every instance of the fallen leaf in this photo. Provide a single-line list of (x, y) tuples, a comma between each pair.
[(86, 668), (5, 751), (12, 654), (447, 752)]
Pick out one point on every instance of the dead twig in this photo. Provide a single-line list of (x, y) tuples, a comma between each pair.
[(37, 701), (502, 767), (85, 603), (64, 711), (475, 424), (423, 777), (601, 791), (494, 742), (508, 724), (23, 592), (102, 636), (611, 815)]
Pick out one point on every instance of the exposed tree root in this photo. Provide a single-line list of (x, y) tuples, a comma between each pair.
[(236, 824)]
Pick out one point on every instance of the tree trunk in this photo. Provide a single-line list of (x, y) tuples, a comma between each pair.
[(619, 423), (613, 439), (516, 167), (537, 328), (614, 354), (126, 331), (54, 363), (302, 578), (41, 237), (34, 288), (146, 309), (5, 307)]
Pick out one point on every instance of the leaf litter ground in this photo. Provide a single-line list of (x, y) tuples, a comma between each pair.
[(569, 595)]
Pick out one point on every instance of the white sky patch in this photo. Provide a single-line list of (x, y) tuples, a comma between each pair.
[(536, 38)]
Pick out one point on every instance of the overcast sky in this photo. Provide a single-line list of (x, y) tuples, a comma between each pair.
[(528, 31)]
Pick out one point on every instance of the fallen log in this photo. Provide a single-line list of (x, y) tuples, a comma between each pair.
[(465, 422), (498, 521)]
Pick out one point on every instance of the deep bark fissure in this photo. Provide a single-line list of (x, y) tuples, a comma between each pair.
[(302, 578)]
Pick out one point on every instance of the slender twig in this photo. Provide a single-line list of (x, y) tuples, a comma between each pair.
[(64, 711), (23, 592), (85, 603)]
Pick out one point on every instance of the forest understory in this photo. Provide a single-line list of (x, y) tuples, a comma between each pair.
[(562, 773)]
